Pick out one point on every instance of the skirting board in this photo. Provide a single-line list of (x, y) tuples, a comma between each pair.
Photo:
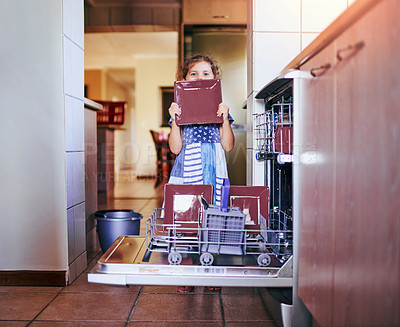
[(33, 278)]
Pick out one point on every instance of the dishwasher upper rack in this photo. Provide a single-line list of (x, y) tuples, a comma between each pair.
[(274, 131), (176, 239)]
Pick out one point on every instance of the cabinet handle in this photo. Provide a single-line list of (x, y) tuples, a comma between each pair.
[(220, 16), (351, 49), (318, 71)]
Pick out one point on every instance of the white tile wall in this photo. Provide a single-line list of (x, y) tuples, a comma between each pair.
[(72, 272), (250, 63), (249, 122), (256, 169), (80, 229), (76, 267), (73, 69), (81, 263), (73, 29), (249, 167), (278, 16), (71, 235), (75, 178), (74, 124), (272, 52), (307, 38), (76, 232), (259, 171), (318, 14), (277, 32), (74, 21)]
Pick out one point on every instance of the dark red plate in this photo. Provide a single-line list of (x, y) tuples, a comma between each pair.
[(199, 101), (253, 201), (182, 205)]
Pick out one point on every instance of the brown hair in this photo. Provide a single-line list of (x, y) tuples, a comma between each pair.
[(191, 60)]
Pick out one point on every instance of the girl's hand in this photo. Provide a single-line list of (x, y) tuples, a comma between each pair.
[(175, 136), (174, 109), (223, 110), (225, 129)]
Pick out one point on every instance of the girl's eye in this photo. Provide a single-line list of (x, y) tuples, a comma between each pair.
[(206, 74), (192, 74)]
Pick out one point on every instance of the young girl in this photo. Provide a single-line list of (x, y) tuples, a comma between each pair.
[(200, 148), (205, 142)]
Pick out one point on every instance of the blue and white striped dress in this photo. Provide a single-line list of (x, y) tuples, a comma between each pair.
[(202, 158)]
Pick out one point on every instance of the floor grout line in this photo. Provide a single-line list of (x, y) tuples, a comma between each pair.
[(221, 302), (133, 307), (46, 306)]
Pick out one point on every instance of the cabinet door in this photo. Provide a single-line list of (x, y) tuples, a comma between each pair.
[(316, 172), (349, 247), (367, 247), (214, 12)]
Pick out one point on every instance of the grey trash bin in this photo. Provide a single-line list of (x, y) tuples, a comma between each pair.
[(114, 223)]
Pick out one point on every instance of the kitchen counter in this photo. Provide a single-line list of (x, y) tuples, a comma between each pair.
[(92, 105)]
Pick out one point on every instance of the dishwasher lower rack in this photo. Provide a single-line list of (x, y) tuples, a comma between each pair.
[(219, 233)]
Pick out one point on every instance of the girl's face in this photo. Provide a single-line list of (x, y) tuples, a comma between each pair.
[(200, 70)]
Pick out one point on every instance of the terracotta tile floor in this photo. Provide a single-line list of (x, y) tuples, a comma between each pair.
[(90, 305)]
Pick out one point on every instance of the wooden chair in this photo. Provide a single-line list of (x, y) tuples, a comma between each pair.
[(165, 158)]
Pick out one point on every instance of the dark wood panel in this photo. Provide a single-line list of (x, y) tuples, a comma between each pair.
[(317, 177), (367, 247), (349, 253), (32, 278)]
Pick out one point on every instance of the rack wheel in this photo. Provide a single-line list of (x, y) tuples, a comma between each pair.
[(206, 259), (174, 258), (263, 260)]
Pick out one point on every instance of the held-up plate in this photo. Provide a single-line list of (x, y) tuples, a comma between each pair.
[(199, 101)]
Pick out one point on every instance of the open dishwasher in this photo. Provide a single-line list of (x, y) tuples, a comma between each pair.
[(189, 241), (249, 242)]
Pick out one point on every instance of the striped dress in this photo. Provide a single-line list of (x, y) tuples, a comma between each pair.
[(202, 158)]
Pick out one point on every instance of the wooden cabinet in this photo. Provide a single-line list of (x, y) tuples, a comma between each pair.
[(349, 248), (368, 131), (206, 16), (214, 12), (317, 186)]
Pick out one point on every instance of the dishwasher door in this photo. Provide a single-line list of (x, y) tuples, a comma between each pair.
[(129, 262)]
